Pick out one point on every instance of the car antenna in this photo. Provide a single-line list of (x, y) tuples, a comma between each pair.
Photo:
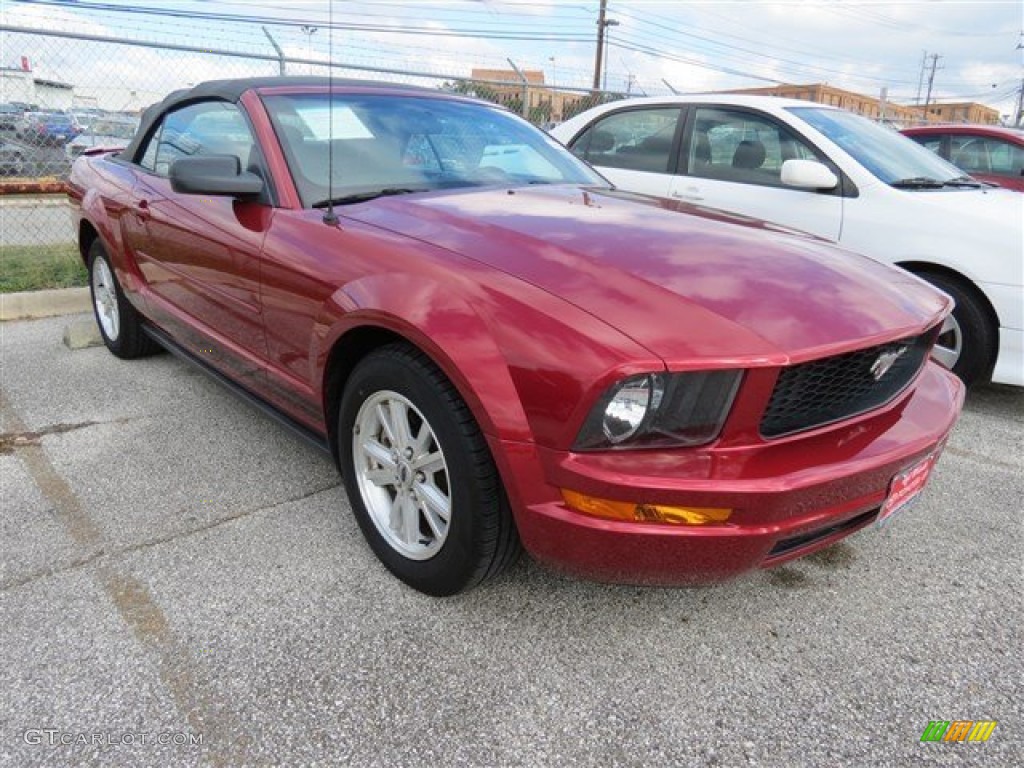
[(330, 217)]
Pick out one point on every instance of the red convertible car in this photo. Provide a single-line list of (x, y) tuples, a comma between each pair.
[(500, 349), (991, 153)]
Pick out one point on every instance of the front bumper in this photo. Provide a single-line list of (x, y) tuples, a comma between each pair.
[(790, 496)]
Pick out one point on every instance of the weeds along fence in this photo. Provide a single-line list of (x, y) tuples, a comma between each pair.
[(100, 85)]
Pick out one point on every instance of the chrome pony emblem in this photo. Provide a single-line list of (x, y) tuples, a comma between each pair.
[(885, 361)]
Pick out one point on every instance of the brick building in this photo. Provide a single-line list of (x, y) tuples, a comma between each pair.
[(871, 107)]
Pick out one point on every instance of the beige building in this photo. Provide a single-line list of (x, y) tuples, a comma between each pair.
[(870, 106), (504, 86), (963, 112)]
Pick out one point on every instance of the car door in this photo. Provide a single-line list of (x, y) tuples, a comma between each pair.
[(199, 255), (732, 160), (635, 147)]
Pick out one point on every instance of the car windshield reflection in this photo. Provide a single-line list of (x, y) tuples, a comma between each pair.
[(888, 155), (345, 148)]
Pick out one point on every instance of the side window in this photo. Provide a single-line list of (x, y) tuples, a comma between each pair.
[(635, 140), (740, 146), (1005, 158), (969, 153), (207, 128)]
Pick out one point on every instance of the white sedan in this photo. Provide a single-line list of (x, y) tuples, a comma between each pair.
[(833, 174)]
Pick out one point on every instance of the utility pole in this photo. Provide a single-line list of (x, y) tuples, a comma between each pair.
[(1020, 94), (1020, 105), (920, 77), (599, 54), (931, 80)]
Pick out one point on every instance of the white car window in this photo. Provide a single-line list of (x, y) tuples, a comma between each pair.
[(740, 146), (634, 140), (886, 154)]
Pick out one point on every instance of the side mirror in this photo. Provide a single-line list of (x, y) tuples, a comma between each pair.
[(213, 175), (808, 174)]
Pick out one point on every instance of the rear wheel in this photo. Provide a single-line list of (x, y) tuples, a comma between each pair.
[(967, 341), (119, 322), (420, 477)]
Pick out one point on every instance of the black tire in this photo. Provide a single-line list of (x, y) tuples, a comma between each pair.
[(978, 333), (127, 340), (480, 539)]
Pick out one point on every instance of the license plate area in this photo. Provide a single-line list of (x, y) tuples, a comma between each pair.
[(905, 487)]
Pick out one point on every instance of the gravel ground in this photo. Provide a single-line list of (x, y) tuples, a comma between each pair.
[(177, 567)]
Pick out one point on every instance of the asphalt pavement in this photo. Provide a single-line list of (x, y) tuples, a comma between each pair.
[(182, 583)]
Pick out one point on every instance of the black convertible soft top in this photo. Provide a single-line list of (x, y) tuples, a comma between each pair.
[(232, 90)]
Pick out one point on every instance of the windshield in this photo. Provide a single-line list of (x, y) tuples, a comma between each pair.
[(887, 154), (397, 144)]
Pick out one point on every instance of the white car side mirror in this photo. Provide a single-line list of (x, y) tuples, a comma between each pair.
[(808, 174)]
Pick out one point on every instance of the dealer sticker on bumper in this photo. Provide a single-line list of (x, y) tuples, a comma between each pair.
[(906, 486)]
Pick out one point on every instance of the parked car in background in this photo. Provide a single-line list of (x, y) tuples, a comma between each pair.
[(83, 120), (839, 176), (987, 152), (106, 132), (12, 159), (49, 128), (497, 347), (24, 126), (9, 117)]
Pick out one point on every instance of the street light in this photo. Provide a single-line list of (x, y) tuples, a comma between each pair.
[(607, 35), (308, 31)]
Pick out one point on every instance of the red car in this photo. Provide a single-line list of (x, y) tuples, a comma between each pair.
[(499, 348), (987, 152)]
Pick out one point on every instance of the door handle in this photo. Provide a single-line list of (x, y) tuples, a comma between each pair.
[(690, 196), (142, 210)]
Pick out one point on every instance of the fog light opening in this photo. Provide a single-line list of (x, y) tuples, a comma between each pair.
[(634, 512)]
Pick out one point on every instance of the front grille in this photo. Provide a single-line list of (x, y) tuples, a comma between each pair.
[(835, 388)]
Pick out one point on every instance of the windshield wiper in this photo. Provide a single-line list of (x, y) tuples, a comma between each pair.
[(963, 181), (917, 182), (362, 197)]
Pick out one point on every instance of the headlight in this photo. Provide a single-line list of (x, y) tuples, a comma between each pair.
[(660, 409), (629, 405)]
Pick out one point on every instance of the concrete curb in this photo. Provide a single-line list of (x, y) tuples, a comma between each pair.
[(35, 201), (32, 304)]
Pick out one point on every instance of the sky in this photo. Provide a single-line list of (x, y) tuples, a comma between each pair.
[(685, 45)]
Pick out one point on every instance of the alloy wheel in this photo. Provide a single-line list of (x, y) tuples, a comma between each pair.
[(402, 475), (104, 297)]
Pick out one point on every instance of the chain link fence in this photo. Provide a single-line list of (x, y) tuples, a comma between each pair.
[(75, 91)]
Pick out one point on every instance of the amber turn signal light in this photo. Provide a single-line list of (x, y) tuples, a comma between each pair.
[(643, 513)]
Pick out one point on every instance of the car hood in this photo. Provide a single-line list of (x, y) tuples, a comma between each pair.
[(687, 287), (993, 207)]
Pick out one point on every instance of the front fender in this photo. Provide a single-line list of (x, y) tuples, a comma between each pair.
[(442, 323)]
